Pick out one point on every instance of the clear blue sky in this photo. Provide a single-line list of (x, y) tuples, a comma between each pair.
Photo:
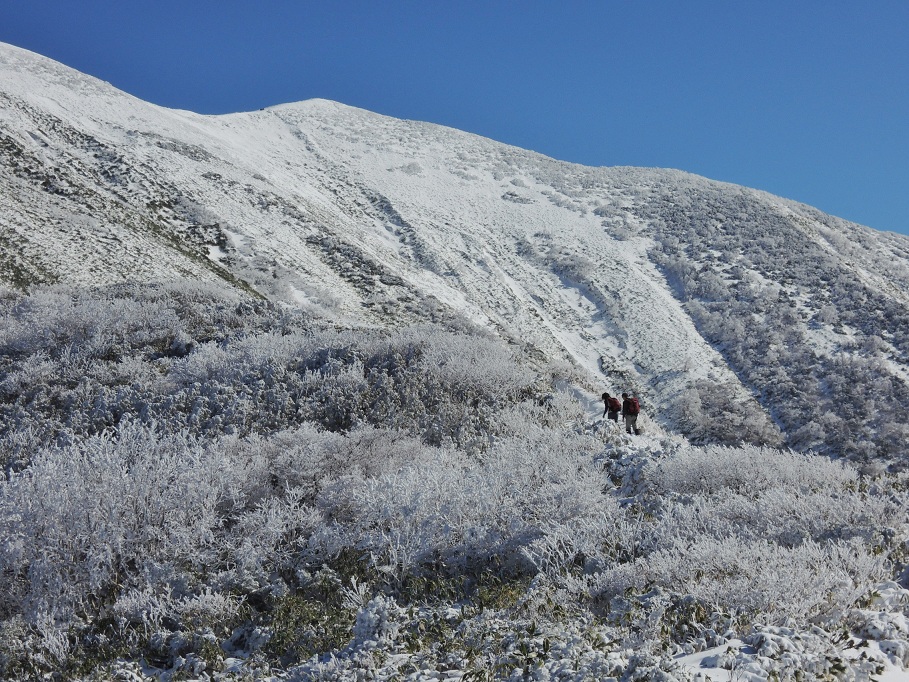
[(808, 99)]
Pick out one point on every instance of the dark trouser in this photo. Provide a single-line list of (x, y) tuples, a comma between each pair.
[(631, 423), (614, 416)]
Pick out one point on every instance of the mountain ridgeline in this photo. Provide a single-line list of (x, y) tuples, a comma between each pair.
[(734, 314)]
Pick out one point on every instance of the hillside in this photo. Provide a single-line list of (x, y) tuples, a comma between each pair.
[(736, 315), (310, 393), (200, 486)]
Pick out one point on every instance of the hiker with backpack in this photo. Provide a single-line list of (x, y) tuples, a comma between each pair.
[(611, 407), (631, 408)]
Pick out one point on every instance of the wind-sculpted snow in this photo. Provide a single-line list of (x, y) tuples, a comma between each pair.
[(735, 315)]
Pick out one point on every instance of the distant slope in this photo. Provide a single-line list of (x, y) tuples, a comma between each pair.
[(735, 314)]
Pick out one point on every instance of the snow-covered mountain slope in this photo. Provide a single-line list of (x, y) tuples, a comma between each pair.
[(733, 313)]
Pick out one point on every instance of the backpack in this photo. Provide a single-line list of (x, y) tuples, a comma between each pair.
[(614, 404), (634, 407)]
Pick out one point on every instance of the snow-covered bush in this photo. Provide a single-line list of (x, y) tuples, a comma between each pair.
[(213, 365), (186, 471), (709, 412), (766, 535), (755, 580), (449, 507), (746, 469), (85, 518), (792, 318)]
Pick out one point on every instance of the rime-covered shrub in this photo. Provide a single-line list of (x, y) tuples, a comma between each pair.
[(709, 412), (134, 517), (768, 535), (759, 581), (445, 506), (85, 518), (186, 472), (77, 362), (746, 470), (786, 516), (104, 323), (791, 316)]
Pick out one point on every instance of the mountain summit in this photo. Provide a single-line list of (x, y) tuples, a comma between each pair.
[(734, 314)]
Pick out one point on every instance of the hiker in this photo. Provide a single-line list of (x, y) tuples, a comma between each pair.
[(631, 408), (611, 407)]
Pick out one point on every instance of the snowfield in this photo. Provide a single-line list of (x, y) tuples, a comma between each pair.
[(313, 393), (365, 219)]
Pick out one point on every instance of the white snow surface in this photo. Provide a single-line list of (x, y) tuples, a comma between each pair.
[(357, 217)]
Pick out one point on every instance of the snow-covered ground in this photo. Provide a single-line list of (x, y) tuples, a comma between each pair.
[(362, 218), (682, 290)]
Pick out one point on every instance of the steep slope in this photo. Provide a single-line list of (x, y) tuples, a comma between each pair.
[(732, 312)]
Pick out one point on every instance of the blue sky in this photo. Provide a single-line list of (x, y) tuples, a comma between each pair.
[(806, 99)]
